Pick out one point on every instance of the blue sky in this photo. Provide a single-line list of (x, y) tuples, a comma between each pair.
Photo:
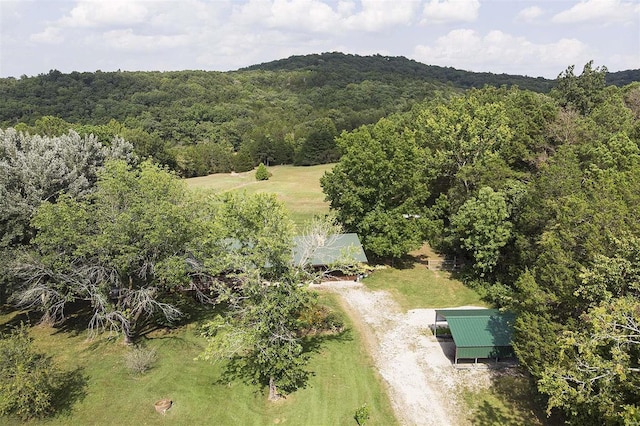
[(535, 38)]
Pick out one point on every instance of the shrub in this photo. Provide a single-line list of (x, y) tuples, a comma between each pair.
[(362, 414), (262, 173), (140, 360), (29, 381), (321, 319)]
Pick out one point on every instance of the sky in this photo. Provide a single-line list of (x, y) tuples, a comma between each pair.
[(535, 38)]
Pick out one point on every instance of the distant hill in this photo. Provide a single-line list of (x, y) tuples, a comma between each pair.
[(339, 68), (622, 78)]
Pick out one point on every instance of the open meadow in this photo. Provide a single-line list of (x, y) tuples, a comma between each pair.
[(297, 187)]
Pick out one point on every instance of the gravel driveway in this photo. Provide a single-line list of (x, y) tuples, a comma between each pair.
[(416, 368)]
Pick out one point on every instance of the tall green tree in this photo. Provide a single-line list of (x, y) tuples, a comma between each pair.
[(319, 146), (482, 228), (268, 306), (34, 169), (463, 135), (595, 378), (379, 188), (582, 92)]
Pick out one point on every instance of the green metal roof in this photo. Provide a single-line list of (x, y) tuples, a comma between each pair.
[(479, 328), (338, 247)]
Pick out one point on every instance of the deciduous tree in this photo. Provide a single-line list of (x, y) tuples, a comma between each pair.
[(379, 188), (119, 248)]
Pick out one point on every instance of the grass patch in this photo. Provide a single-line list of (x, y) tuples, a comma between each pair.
[(297, 187), (510, 401), (418, 287), (415, 286), (343, 380)]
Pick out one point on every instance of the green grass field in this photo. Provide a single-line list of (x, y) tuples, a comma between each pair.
[(297, 187), (416, 287), (343, 380)]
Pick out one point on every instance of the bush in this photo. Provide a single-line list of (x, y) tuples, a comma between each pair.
[(362, 414), (29, 381), (262, 173), (140, 360), (321, 319)]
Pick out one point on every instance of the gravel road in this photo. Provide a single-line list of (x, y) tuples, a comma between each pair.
[(416, 368)]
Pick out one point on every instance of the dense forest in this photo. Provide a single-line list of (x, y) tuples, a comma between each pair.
[(536, 189), (539, 196), (197, 122)]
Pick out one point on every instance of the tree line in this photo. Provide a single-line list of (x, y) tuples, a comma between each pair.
[(538, 194)]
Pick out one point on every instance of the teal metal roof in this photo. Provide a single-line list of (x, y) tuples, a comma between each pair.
[(339, 247), (486, 328)]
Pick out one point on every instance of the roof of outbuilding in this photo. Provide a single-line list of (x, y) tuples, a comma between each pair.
[(479, 327), (338, 247)]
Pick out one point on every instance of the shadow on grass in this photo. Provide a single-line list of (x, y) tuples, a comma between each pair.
[(71, 390), (243, 368), (512, 400), (313, 344), (21, 317)]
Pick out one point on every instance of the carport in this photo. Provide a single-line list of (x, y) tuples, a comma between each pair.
[(478, 333)]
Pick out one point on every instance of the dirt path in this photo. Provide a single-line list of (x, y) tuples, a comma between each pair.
[(421, 381)]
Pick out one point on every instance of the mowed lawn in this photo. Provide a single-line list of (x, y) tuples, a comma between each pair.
[(343, 379), (297, 187)]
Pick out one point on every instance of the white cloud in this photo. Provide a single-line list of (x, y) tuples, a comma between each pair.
[(443, 11), (50, 35), (377, 15), (311, 15), (319, 17), (530, 14), (346, 7), (127, 40), (97, 13), (467, 49), (299, 15), (600, 11)]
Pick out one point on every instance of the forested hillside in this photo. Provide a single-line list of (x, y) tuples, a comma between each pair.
[(204, 122), (196, 122)]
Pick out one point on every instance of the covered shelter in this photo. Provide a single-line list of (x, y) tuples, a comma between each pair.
[(478, 333), (335, 248)]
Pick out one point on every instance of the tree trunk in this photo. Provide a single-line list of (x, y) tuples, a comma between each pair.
[(273, 391), (3, 293), (128, 338), (46, 319)]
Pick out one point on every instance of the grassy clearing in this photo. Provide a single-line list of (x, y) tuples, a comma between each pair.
[(297, 187), (343, 380), (414, 286), (417, 287), (509, 402)]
